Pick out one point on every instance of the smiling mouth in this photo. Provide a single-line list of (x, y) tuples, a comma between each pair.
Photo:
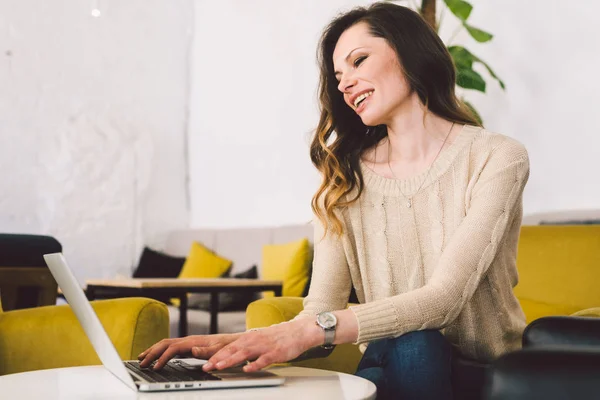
[(362, 98)]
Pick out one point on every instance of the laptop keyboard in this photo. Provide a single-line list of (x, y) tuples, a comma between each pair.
[(170, 373)]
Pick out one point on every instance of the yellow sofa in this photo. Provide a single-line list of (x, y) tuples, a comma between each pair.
[(559, 274), (51, 336)]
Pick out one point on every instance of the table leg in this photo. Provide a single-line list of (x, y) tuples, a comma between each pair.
[(278, 292), (214, 312), (183, 323)]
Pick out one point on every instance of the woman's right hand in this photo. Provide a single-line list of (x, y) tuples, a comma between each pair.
[(201, 346)]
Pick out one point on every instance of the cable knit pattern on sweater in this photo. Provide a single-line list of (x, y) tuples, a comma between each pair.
[(447, 263)]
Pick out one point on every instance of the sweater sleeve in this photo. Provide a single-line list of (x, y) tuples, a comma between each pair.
[(495, 198), (330, 282)]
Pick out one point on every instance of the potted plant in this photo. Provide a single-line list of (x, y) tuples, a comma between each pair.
[(466, 76)]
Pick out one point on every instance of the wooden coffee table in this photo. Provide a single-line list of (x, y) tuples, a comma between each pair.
[(96, 382), (180, 288)]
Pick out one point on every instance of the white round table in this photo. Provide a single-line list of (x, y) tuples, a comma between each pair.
[(96, 382)]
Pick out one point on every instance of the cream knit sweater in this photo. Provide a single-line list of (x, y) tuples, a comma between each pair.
[(446, 263)]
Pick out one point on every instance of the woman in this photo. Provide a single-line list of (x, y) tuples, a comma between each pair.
[(419, 210)]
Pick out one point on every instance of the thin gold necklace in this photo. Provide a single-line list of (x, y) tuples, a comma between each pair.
[(409, 201)]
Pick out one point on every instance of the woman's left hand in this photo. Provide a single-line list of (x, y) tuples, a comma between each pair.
[(275, 344)]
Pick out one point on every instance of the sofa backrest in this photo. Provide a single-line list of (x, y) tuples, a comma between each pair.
[(241, 245), (563, 217), (559, 269)]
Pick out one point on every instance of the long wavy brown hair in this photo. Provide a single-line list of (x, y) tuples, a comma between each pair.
[(341, 137)]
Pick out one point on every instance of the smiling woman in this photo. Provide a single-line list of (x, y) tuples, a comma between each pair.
[(389, 54), (419, 211)]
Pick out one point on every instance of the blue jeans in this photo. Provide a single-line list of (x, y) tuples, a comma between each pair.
[(416, 365)]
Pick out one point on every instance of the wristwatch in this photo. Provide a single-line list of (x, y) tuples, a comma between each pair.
[(328, 322)]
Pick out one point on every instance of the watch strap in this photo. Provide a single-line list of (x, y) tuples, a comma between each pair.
[(329, 337)]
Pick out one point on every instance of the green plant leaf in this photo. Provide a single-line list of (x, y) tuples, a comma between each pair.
[(469, 79), (461, 56), (460, 8), (464, 59), (473, 110), (478, 34)]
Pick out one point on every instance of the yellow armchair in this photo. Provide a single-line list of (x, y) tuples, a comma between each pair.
[(559, 272), (51, 336)]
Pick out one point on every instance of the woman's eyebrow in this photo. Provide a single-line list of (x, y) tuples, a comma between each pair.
[(336, 73)]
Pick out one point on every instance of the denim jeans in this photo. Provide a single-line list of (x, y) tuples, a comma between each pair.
[(416, 365)]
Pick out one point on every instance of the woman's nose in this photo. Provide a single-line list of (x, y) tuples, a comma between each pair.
[(346, 83)]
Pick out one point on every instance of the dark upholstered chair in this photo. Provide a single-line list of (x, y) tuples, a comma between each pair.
[(25, 280), (560, 360)]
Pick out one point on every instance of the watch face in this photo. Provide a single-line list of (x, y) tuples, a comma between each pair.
[(327, 320)]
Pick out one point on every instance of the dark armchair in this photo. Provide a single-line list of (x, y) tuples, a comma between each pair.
[(560, 360), (25, 280)]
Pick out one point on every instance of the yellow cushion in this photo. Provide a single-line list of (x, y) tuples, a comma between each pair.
[(588, 312), (202, 263), (289, 263)]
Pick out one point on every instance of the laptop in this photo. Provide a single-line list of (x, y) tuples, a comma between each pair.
[(178, 374)]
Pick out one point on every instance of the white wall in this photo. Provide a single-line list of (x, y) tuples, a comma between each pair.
[(253, 110), (546, 51), (253, 103), (93, 125)]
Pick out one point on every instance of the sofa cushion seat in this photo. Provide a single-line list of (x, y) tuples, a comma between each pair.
[(537, 309)]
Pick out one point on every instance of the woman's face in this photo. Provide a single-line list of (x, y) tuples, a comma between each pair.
[(369, 75)]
